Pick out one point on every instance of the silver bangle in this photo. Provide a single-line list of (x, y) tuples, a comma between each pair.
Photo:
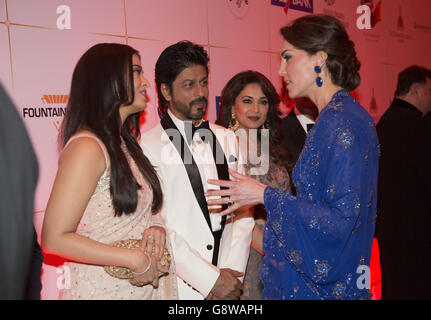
[(146, 269)]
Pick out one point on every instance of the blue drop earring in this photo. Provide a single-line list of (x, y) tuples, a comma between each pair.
[(319, 80)]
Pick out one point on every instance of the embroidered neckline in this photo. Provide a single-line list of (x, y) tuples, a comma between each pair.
[(339, 93)]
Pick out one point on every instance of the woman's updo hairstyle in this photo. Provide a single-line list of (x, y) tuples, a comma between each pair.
[(319, 32)]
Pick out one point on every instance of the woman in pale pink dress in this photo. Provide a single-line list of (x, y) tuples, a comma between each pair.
[(106, 189)]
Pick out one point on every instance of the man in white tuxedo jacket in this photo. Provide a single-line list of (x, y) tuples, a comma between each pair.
[(210, 252)]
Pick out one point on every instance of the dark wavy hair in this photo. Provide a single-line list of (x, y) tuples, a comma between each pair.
[(227, 100), (172, 61), (319, 32), (102, 82), (409, 76)]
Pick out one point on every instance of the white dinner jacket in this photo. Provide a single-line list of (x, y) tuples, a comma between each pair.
[(190, 236)]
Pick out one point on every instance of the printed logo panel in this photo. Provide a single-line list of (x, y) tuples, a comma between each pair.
[(301, 5), (53, 107)]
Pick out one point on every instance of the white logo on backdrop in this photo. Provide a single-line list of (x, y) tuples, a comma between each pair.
[(364, 20), (64, 20)]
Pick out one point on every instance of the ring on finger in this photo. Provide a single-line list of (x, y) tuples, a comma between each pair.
[(229, 201), (150, 238)]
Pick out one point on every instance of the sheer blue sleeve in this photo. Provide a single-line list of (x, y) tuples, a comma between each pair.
[(315, 235)]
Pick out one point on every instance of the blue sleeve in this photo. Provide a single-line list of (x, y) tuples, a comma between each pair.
[(314, 230)]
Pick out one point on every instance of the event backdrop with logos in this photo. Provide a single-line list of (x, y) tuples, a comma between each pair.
[(40, 42)]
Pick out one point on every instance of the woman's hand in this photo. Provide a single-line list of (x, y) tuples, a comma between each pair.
[(155, 237), (145, 270), (243, 191), (153, 241)]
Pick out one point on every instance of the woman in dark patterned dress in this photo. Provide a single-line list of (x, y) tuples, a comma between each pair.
[(249, 107)]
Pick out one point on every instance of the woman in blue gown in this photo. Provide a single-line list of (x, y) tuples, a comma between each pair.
[(318, 243)]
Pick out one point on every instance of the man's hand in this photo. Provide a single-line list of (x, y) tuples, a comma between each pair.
[(227, 286)]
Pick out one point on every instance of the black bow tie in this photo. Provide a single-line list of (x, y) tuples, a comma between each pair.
[(203, 134), (309, 126)]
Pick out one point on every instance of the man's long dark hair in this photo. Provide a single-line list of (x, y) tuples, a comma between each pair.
[(102, 82), (172, 61)]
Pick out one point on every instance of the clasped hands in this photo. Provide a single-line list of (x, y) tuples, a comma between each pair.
[(148, 267)]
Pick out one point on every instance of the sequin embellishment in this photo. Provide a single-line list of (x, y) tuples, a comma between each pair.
[(321, 269), (345, 138)]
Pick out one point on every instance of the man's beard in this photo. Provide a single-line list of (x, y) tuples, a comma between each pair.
[(186, 110)]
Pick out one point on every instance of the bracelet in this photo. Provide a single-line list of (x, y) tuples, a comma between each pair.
[(146, 269)]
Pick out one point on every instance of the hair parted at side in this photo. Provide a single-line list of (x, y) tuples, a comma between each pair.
[(409, 76), (319, 32), (102, 82), (172, 61), (236, 84), (227, 100)]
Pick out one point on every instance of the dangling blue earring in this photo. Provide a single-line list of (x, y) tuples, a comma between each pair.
[(319, 80)]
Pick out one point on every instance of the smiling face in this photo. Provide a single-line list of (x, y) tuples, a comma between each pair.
[(297, 70), (188, 98), (251, 107)]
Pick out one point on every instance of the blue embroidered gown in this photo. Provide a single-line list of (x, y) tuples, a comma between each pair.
[(318, 244)]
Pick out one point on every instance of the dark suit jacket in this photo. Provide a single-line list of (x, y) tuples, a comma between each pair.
[(18, 172), (293, 139), (34, 285), (404, 206), (403, 202), (293, 135)]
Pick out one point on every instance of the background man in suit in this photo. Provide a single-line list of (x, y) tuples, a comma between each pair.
[(210, 252), (295, 127), (19, 250), (404, 206)]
